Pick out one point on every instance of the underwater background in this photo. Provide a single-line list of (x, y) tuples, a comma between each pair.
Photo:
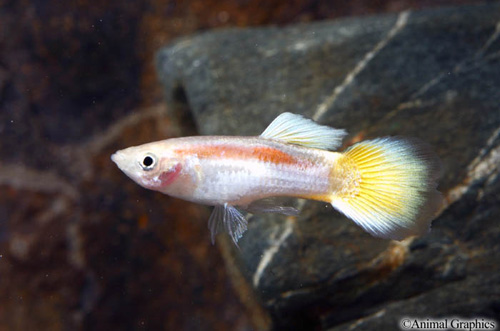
[(83, 247)]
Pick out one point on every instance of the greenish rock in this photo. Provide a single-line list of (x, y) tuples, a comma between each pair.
[(431, 74)]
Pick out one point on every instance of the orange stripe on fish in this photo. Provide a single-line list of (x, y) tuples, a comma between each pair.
[(239, 152)]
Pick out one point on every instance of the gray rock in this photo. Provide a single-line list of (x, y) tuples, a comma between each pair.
[(431, 74)]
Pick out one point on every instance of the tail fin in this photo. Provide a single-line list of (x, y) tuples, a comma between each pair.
[(393, 192)]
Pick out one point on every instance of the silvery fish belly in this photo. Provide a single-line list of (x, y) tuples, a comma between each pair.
[(385, 185), (239, 171)]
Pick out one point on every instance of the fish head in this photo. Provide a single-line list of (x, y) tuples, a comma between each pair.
[(156, 166)]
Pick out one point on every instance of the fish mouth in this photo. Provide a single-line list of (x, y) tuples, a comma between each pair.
[(125, 163), (114, 158), (119, 159)]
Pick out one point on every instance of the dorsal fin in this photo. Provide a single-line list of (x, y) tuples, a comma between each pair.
[(295, 129)]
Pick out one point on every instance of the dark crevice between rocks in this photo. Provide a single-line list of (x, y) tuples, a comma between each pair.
[(182, 111)]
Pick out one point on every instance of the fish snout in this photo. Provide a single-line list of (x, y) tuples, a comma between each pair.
[(118, 158)]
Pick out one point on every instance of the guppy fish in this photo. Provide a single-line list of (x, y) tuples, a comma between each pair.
[(386, 185)]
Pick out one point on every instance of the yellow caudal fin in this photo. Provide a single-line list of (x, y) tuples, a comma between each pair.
[(391, 187)]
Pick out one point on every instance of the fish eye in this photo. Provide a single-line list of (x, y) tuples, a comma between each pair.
[(148, 162)]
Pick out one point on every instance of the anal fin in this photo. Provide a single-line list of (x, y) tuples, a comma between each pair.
[(271, 205)]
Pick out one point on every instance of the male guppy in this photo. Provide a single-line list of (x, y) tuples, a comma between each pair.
[(386, 185)]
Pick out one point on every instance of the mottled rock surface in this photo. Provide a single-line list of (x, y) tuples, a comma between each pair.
[(82, 247), (99, 253), (430, 74)]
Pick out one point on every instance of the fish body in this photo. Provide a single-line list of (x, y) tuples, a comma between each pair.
[(386, 185), (240, 170)]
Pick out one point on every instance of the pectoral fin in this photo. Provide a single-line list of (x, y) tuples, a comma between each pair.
[(228, 218)]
